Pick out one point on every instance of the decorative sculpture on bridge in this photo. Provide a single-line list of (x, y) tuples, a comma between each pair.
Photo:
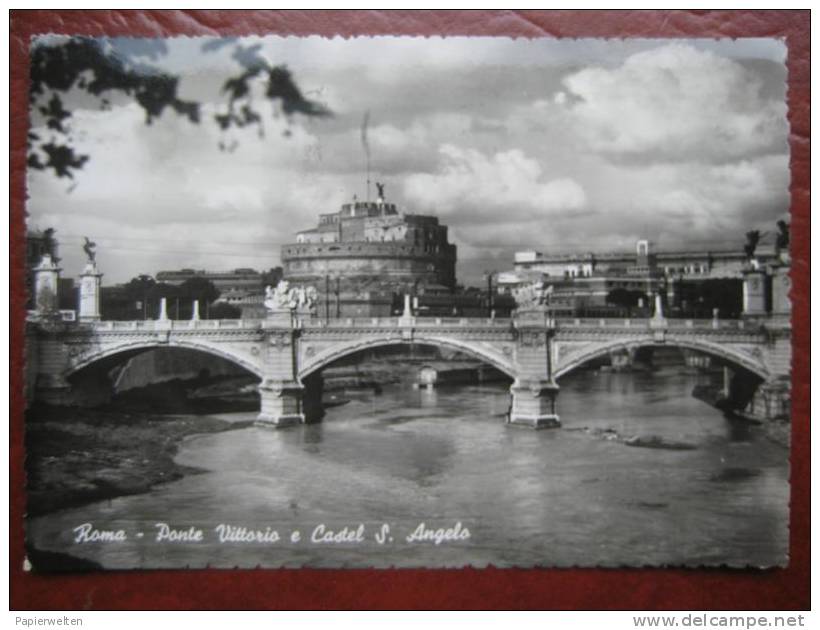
[(88, 248), (306, 298), (50, 245), (276, 298), (283, 297), (533, 296)]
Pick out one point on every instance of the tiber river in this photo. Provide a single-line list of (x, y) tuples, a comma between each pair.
[(385, 464)]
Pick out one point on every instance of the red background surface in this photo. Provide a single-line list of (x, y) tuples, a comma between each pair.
[(489, 588)]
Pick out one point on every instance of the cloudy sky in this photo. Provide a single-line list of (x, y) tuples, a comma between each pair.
[(553, 145)]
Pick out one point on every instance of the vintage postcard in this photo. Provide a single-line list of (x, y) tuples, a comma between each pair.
[(407, 302)]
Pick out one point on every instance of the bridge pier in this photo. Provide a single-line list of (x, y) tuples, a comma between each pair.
[(280, 403), (53, 390), (533, 404), (771, 401)]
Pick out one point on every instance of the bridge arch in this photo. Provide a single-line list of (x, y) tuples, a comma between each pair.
[(88, 359), (726, 353), (347, 348)]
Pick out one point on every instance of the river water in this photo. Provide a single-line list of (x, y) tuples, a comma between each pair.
[(575, 496)]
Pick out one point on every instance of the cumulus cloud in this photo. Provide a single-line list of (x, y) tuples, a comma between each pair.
[(498, 188), (676, 101), (690, 204)]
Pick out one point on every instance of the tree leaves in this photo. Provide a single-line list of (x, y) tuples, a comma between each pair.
[(93, 67), (61, 158), (280, 89), (55, 114), (281, 86), (83, 63)]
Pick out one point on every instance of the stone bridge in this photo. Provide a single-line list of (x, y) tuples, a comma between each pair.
[(285, 349)]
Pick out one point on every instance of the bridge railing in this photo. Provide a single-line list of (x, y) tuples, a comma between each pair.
[(397, 322), (645, 322), (177, 324), (424, 323)]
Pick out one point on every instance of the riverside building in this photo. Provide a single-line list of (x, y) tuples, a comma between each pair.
[(583, 283)]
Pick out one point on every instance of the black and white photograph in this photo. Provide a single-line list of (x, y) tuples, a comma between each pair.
[(407, 302)]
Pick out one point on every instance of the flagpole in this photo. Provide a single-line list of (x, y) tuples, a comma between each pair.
[(366, 147)]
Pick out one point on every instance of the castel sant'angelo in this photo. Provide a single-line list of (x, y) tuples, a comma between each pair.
[(366, 254)]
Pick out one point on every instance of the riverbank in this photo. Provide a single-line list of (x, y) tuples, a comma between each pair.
[(776, 430), (79, 456)]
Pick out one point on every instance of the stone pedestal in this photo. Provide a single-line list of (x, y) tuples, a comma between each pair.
[(781, 285), (280, 404), (533, 404), (280, 318), (754, 292), (46, 285), (90, 282)]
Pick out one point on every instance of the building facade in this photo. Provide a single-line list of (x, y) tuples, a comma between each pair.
[(693, 282), (686, 265)]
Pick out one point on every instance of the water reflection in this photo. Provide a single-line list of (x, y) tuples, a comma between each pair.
[(573, 496), (429, 398)]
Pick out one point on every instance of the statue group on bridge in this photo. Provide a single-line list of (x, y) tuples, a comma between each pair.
[(283, 297), (533, 295)]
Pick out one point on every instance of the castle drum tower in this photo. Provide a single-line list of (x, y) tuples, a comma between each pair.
[(364, 255)]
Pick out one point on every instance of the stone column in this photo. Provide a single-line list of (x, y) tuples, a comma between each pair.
[(407, 318), (754, 292), (533, 404), (46, 285), (163, 311), (90, 281), (658, 319), (195, 311)]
